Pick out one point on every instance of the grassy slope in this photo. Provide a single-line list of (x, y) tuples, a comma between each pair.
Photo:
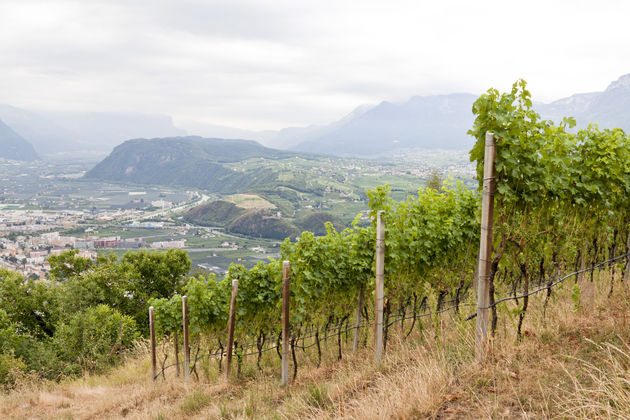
[(573, 363)]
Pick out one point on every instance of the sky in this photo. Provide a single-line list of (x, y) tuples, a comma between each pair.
[(272, 64)]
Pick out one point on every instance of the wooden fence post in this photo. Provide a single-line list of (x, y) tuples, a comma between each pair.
[(231, 324), (177, 352), (379, 287), (152, 333), (286, 295), (186, 347), (357, 324), (626, 271), (485, 249)]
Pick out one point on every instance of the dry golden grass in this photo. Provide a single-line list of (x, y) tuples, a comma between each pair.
[(573, 363)]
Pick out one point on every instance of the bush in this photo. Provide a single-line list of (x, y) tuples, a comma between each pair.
[(95, 338), (11, 369)]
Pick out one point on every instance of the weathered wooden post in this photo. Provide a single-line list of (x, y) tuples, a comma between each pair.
[(626, 271), (176, 338), (186, 347), (286, 295), (485, 249), (357, 324), (231, 324), (379, 287), (152, 333)]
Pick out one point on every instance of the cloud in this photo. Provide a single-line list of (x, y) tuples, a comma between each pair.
[(270, 64)]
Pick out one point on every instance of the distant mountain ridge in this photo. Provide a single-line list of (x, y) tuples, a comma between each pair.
[(432, 122), (55, 132), (428, 122), (13, 146), (608, 109)]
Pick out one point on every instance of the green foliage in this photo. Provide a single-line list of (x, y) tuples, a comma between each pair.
[(161, 274), (435, 181), (30, 304), (67, 264), (539, 162), (560, 196), (11, 369), (88, 318), (95, 338)]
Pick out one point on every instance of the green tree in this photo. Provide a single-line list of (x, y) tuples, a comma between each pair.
[(435, 181), (68, 264)]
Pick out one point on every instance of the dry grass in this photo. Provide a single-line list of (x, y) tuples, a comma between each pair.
[(249, 201), (569, 364)]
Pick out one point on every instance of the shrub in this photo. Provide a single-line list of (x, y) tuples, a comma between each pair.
[(95, 338), (11, 369)]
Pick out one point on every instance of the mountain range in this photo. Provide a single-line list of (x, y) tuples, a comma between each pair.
[(439, 121), (13, 146)]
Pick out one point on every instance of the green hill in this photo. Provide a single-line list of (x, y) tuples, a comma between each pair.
[(188, 161), (315, 222), (251, 222), (14, 147), (264, 224), (216, 213)]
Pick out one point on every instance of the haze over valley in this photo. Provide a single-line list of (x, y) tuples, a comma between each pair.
[(422, 122)]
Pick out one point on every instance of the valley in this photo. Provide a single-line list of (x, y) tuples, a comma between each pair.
[(49, 206)]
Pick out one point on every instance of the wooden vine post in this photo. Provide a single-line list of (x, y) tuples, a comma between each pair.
[(357, 324), (485, 249), (176, 339), (286, 348), (152, 333), (626, 271), (379, 287), (231, 324), (186, 346)]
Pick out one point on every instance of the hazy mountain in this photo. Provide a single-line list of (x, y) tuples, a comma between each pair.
[(53, 132), (13, 146), (426, 122), (422, 122), (608, 109), (46, 136), (290, 137), (187, 161), (104, 130), (285, 138), (223, 132)]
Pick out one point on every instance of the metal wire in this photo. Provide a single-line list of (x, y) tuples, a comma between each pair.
[(335, 331)]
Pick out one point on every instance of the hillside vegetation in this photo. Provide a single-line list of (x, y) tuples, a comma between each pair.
[(187, 161), (570, 363), (258, 222), (561, 225)]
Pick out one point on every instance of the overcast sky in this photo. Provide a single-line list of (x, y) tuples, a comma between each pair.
[(271, 64)]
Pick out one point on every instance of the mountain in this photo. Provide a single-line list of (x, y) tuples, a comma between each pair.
[(13, 146), (188, 161), (422, 122), (290, 137), (46, 136), (104, 130), (224, 132), (608, 109), (56, 132)]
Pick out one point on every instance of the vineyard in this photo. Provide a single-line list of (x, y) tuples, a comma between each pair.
[(560, 204)]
